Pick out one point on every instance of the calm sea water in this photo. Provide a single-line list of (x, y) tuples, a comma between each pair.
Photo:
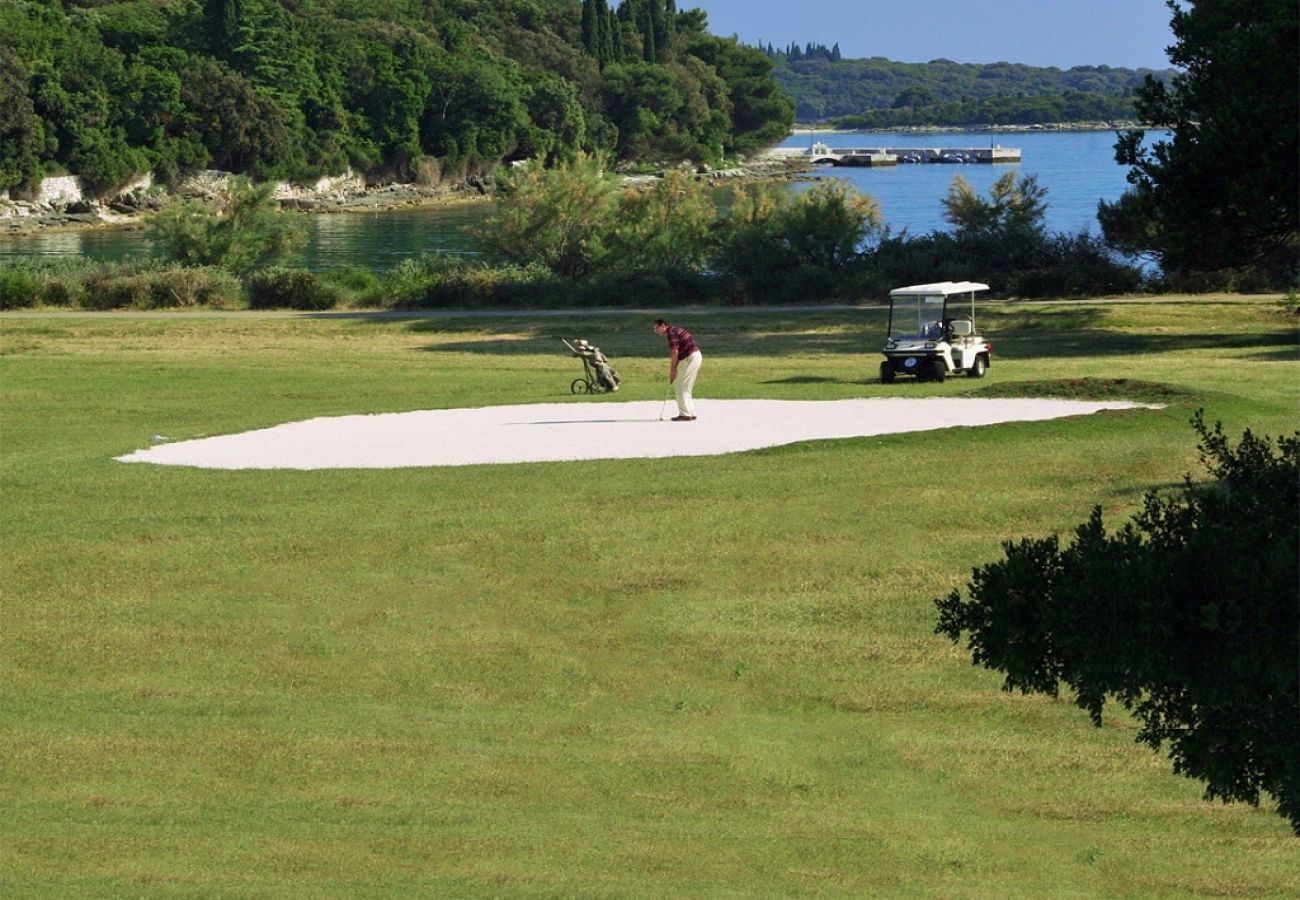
[(1077, 168)]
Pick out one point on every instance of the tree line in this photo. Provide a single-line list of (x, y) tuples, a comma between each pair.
[(794, 53), (827, 87), (1072, 106), (393, 88)]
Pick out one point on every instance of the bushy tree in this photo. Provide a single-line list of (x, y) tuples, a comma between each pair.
[(1223, 191), (668, 226), (827, 225), (557, 218), (1188, 616), (774, 242), (761, 114), (476, 112), (246, 230), (22, 135), (1014, 210)]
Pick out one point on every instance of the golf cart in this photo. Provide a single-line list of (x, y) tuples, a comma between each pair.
[(930, 336)]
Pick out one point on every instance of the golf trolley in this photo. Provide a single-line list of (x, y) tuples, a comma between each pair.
[(929, 338), (598, 376)]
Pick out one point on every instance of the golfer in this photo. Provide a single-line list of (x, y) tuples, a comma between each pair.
[(683, 365)]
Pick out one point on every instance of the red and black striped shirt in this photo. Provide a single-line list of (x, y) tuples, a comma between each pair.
[(681, 340)]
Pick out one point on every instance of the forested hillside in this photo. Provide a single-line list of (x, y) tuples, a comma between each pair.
[(406, 88), (942, 92)]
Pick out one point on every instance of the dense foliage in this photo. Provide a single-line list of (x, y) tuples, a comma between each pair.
[(885, 93), (408, 88), (1223, 191), (1189, 616), (572, 223)]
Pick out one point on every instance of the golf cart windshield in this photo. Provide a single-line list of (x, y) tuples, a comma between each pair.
[(916, 317), (919, 311)]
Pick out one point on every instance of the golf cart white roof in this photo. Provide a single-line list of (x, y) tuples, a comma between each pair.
[(939, 289)]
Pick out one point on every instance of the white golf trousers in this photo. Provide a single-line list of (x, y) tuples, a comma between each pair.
[(683, 387)]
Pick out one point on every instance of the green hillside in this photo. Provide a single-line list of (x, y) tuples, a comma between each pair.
[(406, 88)]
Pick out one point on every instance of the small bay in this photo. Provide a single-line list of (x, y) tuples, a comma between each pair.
[(1076, 167)]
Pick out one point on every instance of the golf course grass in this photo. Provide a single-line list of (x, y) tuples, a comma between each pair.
[(686, 677)]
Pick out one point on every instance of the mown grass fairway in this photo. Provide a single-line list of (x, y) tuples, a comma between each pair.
[(688, 677)]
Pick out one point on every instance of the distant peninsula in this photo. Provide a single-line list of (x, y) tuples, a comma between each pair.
[(835, 92)]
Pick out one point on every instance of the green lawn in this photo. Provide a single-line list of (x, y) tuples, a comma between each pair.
[(706, 677)]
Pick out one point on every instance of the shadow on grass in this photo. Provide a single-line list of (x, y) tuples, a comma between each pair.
[(1088, 389), (808, 379), (1286, 354), (1100, 343), (770, 337), (1019, 333), (1139, 490)]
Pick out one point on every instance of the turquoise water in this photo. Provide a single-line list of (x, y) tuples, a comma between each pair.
[(1077, 168)]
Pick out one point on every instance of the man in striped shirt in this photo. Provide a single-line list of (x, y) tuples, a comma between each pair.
[(683, 365)]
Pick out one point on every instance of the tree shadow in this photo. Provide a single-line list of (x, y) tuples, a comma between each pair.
[(631, 337), (806, 379), (1059, 332), (1101, 343)]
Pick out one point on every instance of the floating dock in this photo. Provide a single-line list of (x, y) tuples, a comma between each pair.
[(820, 153)]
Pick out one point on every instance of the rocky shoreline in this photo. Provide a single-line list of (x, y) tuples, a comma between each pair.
[(59, 204)]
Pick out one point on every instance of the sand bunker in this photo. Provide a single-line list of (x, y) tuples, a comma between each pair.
[(594, 430)]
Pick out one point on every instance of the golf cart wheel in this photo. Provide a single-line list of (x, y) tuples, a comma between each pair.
[(937, 370), (887, 372), (978, 369), (580, 386)]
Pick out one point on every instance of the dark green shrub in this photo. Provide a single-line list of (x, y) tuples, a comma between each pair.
[(356, 286), (652, 288), (111, 287), (289, 289), (60, 289), (147, 286), (1073, 265), (1188, 616), (1038, 264), (187, 286), (18, 289)]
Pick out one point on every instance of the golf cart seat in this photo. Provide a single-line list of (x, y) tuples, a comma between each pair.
[(962, 327)]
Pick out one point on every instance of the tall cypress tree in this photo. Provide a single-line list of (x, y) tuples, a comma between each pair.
[(614, 33), (607, 30), (590, 41), (662, 21)]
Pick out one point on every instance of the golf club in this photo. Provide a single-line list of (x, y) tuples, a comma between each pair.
[(664, 405)]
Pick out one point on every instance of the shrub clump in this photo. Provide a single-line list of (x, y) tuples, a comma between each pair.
[(278, 288), (157, 287), (18, 289), (148, 285)]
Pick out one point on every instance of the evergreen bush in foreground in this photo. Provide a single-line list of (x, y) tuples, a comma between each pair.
[(1188, 616)]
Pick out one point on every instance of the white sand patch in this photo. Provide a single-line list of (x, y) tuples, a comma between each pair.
[(595, 430)]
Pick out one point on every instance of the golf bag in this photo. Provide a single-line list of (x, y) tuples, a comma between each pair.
[(598, 374)]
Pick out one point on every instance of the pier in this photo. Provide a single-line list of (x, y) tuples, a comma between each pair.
[(823, 154)]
